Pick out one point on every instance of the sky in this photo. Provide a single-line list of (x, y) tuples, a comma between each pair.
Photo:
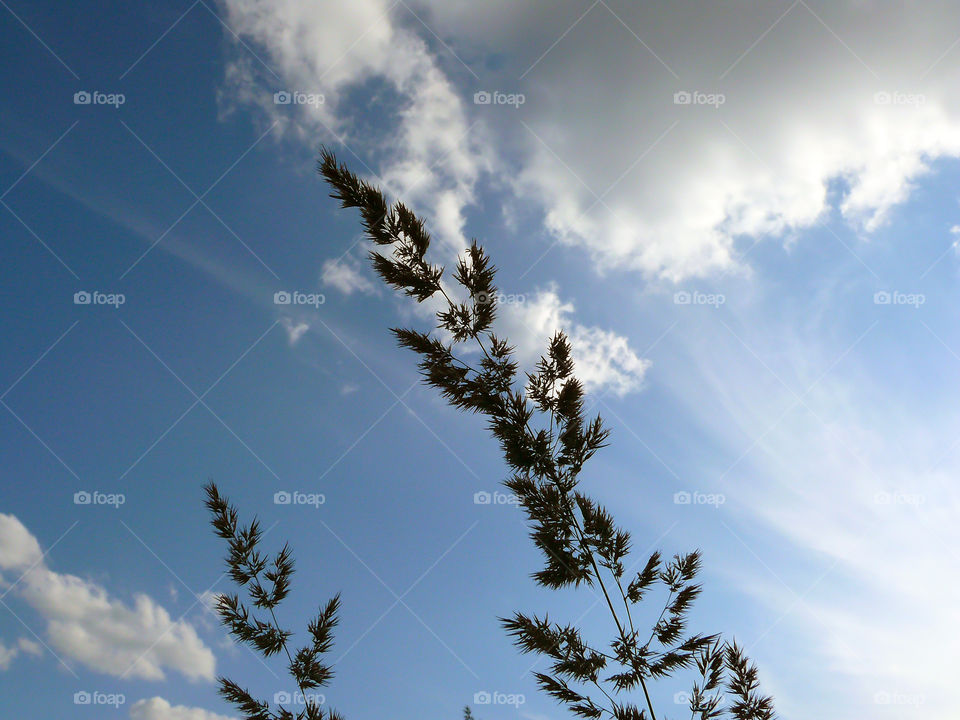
[(744, 215)]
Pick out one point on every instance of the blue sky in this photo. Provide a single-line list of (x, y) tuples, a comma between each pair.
[(761, 285)]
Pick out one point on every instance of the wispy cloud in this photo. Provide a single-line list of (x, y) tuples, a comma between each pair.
[(604, 360), (156, 708), (345, 275), (23, 646), (845, 498), (86, 624), (295, 330), (437, 155)]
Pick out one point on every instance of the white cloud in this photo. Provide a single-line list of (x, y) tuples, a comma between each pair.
[(295, 330), (18, 548), (24, 645), (7, 655), (662, 188), (344, 275), (604, 360), (156, 708), (434, 157), (666, 189), (30, 647), (103, 633)]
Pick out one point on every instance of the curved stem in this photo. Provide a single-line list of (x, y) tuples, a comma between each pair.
[(616, 619), (276, 624), (626, 606), (581, 539), (662, 613)]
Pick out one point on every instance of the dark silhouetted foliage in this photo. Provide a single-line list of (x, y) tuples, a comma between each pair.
[(545, 437)]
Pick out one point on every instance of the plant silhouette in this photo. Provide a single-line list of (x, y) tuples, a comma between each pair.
[(546, 439)]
